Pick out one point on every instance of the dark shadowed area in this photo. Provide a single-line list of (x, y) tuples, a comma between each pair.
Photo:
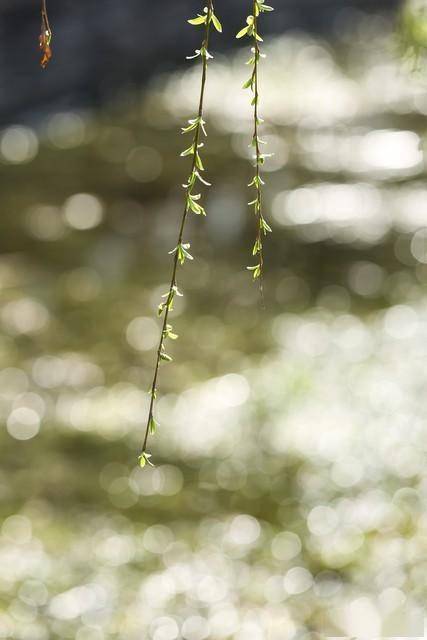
[(104, 48)]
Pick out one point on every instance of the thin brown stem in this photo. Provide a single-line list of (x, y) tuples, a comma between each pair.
[(45, 17)]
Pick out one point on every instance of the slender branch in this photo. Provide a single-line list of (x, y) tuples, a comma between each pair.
[(258, 206), (180, 253), (45, 17), (262, 228)]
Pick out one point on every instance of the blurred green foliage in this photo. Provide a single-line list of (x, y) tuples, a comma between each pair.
[(288, 497), (413, 30)]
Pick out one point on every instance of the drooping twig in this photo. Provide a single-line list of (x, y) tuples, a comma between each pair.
[(180, 253), (262, 228)]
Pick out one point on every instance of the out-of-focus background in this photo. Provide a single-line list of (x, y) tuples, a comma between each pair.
[(288, 497)]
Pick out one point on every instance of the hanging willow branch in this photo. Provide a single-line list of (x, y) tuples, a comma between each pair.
[(195, 127), (45, 37), (262, 228)]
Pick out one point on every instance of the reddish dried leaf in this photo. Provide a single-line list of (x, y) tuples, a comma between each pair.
[(44, 41), (45, 37)]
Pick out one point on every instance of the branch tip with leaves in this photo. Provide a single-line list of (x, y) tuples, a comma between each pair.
[(197, 128)]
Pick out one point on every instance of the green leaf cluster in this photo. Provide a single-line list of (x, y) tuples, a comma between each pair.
[(208, 16), (144, 459)]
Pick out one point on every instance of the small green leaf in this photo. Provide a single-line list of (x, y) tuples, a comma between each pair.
[(257, 247), (188, 152), (197, 53), (202, 180), (256, 271), (264, 226), (168, 333), (217, 24), (177, 291), (153, 425), (197, 21), (183, 254), (199, 163), (242, 32), (144, 459)]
